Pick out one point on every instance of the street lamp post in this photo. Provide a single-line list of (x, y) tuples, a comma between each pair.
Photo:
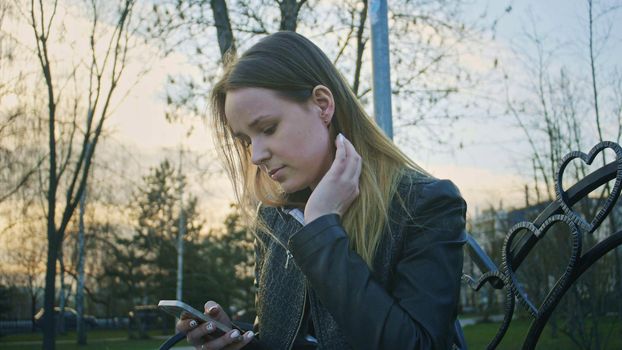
[(380, 65)]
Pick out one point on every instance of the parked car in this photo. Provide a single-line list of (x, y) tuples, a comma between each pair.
[(70, 316)]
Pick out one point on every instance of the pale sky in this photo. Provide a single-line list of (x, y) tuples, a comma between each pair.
[(486, 169)]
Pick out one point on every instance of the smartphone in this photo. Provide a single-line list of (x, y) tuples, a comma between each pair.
[(180, 310)]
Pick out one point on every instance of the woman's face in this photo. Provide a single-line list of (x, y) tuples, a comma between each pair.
[(290, 141)]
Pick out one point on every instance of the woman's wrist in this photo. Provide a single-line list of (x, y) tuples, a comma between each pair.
[(312, 215)]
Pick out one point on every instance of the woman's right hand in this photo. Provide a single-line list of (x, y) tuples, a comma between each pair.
[(340, 185), (200, 334)]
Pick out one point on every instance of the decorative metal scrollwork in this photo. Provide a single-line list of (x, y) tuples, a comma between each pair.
[(508, 268), (577, 263), (609, 202)]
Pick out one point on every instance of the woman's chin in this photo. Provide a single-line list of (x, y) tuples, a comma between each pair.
[(291, 189), (297, 192)]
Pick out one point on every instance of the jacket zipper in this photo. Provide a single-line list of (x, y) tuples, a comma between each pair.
[(289, 254), (302, 315), (296, 214)]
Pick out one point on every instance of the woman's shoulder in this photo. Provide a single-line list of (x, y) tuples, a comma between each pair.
[(416, 186), (265, 211), (267, 215)]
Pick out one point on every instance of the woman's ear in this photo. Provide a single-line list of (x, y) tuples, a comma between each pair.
[(322, 97)]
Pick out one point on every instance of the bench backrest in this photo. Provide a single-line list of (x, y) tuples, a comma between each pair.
[(523, 237)]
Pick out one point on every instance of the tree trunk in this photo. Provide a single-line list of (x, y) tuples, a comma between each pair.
[(49, 324), (62, 329), (33, 310), (360, 48), (289, 14), (181, 232), (223, 27), (81, 330)]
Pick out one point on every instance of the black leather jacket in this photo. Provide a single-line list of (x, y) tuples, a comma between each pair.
[(408, 301)]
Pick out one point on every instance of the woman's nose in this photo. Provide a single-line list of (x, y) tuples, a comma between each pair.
[(260, 153)]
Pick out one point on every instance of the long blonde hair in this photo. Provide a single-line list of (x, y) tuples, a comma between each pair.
[(292, 65)]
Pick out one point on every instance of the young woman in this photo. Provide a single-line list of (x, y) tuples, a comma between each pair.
[(356, 246)]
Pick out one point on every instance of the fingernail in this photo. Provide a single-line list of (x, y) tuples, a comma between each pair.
[(209, 327), (212, 309), (235, 334), (248, 335), (193, 324), (341, 138)]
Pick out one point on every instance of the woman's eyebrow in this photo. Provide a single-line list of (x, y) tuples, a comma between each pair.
[(258, 120), (252, 124)]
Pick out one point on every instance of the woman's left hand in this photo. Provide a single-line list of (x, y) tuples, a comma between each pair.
[(340, 185)]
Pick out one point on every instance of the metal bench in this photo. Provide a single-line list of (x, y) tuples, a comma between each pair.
[(523, 237)]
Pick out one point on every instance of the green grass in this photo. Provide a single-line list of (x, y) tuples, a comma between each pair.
[(478, 336), (96, 339)]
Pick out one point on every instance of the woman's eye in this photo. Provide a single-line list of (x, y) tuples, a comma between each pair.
[(270, 130)]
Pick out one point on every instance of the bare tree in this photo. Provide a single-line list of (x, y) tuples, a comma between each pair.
[(428, 39), (196, 25), (564, 112), (73, 139)]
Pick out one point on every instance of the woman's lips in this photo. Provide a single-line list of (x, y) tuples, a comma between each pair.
[(275, 172)]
